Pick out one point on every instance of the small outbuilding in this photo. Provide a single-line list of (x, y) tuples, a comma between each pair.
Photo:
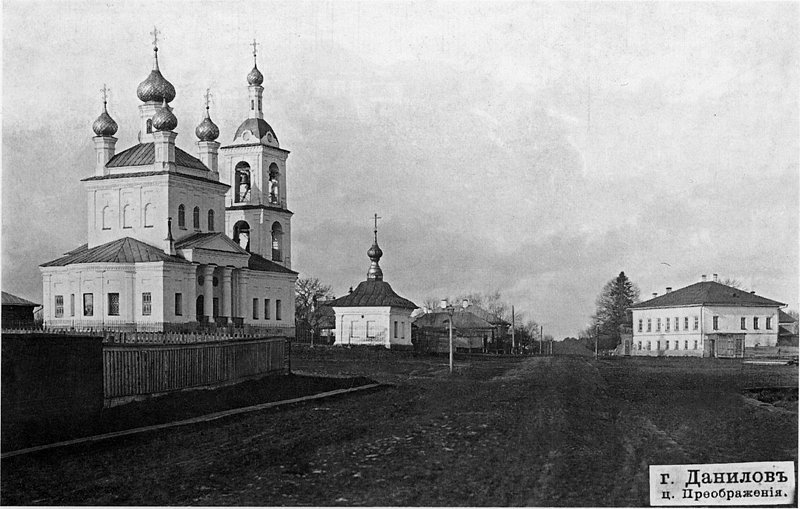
[(17, 312), (471, 333)]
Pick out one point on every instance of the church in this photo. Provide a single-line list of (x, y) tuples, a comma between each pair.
[(178, 242)]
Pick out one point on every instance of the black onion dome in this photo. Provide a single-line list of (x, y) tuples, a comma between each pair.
[(155, 87), (207, 130), (375, 252), (164, 119), (104, 125), (255, 77)]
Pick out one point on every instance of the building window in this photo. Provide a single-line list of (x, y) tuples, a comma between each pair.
[(666, 325), (658, 345), (278, 309), (149, 125), (640, 345), (769, 323), (88, 304), (196, 218), (695, 344), (715, 323), (649, 345), (666, 345), (370, 328), (686, 345), (241, 184), (241, 234), (181, 217), (640, 324), (677, 324), (396, 328), (59, 306), (277, 242), (649, 325), (658, 324), (72, 304), (744, 323), (146, 303), (685, 323), (106, 217), (274, 188), (255, 309), (210, 220), (148, 215), (266, 309), (696, 322), (113, 304), (677, 347), (127, 216), (178, 304), (755, 322), (402, 330)]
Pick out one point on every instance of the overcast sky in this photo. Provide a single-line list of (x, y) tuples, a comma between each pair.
[(534, 148)]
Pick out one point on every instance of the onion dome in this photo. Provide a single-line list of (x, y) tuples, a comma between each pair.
[(207, 130), (155, 87), (104, 125), (375, 273), (255, 77), (164, 119)]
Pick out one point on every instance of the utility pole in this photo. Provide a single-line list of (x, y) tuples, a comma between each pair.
[(541, 338), (513, 326)]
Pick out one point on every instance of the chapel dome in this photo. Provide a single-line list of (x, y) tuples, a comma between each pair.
[(104, 125), (255, 77), (207, 130), (155, 87), (164, 119)]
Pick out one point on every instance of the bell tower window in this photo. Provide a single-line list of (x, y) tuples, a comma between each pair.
[(274, 188), (196, 218), (106, 218), (241, 234), (241, 184), (127, 219), (148, 215), (149, 125), (277, 242), (211, 220), (181, 217)]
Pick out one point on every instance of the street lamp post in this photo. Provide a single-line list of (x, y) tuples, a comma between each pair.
[(450, 310)]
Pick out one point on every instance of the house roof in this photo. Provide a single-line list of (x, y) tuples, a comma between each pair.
[(486, 315), (257, 262), (124, 250), (707, 293), (373, 293), (144, 154), (461, 320), (784, 317), (13, 300)]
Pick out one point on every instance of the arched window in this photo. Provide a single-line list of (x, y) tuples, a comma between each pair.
[(148, 215), (274, 191), (149, 126), (196, 218), (181, 216), (241, 184), (106, 217), (241, 234), (277, 242), (127, 219), (211, 220)]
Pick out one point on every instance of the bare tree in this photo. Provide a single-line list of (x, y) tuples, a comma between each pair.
[(308, 291), (732, 282)]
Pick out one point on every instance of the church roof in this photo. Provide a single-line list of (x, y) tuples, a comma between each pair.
[(258, 262), (124, 250), (144, 154), (258, 126), (13, 300), (373, 293), (461, 320), (204, 240), (707, 293)]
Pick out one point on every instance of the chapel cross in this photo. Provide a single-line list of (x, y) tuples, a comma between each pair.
[(208, 97), (254, 44), (376, 226), (155, 33), (105, 92)]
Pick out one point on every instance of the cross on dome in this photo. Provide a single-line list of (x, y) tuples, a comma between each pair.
[(105, 90), (155, 33), (207, 96), (255, 45), (376, 226)]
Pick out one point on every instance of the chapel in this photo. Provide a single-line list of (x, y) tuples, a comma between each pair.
[(177, 242)]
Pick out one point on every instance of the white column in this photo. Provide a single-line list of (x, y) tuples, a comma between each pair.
[(243, 294), (227, 290), (208, 292)]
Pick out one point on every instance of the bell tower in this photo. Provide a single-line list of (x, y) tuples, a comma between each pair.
[(254, 165)]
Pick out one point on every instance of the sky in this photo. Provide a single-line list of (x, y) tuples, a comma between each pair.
[(533, 148)]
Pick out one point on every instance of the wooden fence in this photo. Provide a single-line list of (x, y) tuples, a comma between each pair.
[(137, 370)]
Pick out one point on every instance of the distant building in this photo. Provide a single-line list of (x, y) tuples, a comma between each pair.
[(787, 329), (176, 241), (17, 312), (705, 319), (471, 333), (373, 314)]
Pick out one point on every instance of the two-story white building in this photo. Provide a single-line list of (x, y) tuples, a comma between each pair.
[(705, 319), (158, 256)]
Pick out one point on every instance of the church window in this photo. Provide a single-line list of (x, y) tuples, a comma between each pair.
[(241, 184), (178, 304), (277, 242), (274, 188), (59, 306), (88, 304), (196, 218), (278, 309), (127, 219), (266, 309), (148, 215), (181, 217), (211, 220), (396, 328), (146, 303), (255, 309), (259, 104), (106, 217), (241, 234), (113, 304), (72, 304), (252, 104), (149, 125)]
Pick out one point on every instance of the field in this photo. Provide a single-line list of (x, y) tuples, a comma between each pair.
[(500, 431)]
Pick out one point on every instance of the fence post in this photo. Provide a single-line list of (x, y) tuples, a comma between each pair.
[(287, 357)]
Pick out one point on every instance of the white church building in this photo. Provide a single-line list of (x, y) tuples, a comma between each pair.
[(177, 242)]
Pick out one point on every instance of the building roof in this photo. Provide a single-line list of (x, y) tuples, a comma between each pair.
[(153, 173), (216, 241), (372, 293), (13, 300), (462, 320), (124, 250), (258, 262), (706, 293), (784, 317), (258, 126), (144, 154), (486, 315)]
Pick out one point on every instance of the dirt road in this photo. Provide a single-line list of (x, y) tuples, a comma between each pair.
[(540, 432)]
